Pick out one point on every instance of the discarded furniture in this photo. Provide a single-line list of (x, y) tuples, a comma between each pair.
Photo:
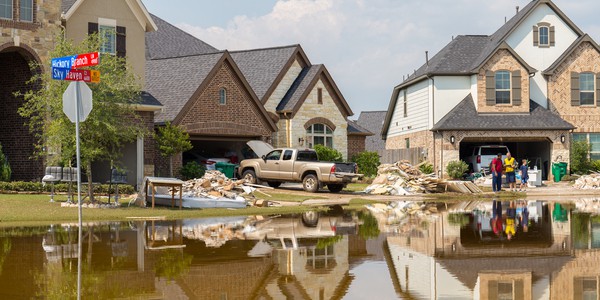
[(69, 176), (52, 175), (173, 183), (116, 177)]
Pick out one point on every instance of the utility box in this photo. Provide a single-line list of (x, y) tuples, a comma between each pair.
[(535, 177)]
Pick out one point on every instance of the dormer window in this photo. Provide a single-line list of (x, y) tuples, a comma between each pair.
[(543, 35), (503, 87)]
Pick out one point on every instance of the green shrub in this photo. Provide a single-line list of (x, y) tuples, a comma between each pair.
[(568, 178), (5, 171), (580, 163), (328, 154), (595, 165), (426, 168), (192, 170), (367, 163), (456, 169)]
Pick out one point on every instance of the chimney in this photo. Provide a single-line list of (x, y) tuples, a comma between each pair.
[(517, 9), (427, 57)]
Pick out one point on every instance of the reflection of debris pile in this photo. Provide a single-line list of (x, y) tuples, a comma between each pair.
[(215, 234), (588, 182), (401, 178), (399, 216), (591, 205)]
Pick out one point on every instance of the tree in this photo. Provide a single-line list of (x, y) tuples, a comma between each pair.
[(172, 140), (111, 123), (328, 154)]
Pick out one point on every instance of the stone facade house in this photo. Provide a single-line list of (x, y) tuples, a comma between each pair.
[(28, 33), (225, 98), (532, 86)]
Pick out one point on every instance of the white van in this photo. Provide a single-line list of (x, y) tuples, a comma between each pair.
[(482, 157)]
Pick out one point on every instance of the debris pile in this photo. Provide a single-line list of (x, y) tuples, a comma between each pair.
[(401, 178), (588, 182), (215, 184)]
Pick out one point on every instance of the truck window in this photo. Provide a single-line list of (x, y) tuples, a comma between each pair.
[(273, 155), (287, 155), (307, 156)]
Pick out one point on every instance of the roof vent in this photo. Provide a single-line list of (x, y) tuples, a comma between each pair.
[(517, 9), (427, 57)]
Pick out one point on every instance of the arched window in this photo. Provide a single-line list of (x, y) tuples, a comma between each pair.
[(319, 134), (222, 96), (502, 87)]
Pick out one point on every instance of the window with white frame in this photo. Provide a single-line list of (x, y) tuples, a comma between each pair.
[(319, 134), (222, 96), (502, 87), (593, 139), (6, 9), (586, 88), (544, 36), (107, 33), (26, 10)]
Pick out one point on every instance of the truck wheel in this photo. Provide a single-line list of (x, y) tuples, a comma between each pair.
[(311, 183), (310, 218), (249, 176), (274, 184), (335, 188)]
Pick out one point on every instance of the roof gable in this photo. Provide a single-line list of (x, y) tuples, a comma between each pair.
[(69, 7), (265, 68), (304, 84), (169, 41), (576, 44)]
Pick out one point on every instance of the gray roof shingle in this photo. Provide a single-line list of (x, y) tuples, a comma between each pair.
[(149, 99), (169, 41), (464, 116), (174, 80), (356, 129), (65, 5), (262, 66), (300, 85), (373, 121)]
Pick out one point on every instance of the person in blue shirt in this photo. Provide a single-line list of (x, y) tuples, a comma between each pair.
[(524, 176)]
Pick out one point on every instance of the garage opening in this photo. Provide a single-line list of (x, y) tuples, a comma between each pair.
[(208, 151), (536, 150)]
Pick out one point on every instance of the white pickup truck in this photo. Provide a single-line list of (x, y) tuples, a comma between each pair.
[(276, 166)]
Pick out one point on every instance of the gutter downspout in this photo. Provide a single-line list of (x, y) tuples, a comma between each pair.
[(433, 121)]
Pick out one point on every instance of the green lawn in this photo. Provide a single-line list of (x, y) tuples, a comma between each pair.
[(356, 187), (21, 209)]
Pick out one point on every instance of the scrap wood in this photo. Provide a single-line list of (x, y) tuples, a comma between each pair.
[(258, 186)]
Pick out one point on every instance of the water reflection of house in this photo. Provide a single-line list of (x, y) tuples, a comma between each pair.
[(440, 260)]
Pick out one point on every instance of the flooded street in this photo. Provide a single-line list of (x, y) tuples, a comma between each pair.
[(404, 250)]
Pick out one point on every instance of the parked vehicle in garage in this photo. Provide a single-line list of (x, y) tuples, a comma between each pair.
[(482, 156), (276, 166)]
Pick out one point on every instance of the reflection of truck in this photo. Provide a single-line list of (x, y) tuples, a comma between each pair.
[(276, 166)]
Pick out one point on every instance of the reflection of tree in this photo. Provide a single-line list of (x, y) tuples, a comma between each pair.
[(580, 230), (173, 263), (58, 282), (368, 228), (458, 219), (323, 243), (5, 246)]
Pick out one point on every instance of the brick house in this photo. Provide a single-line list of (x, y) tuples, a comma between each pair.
[(531, 85), (28, 32), (225, 98)]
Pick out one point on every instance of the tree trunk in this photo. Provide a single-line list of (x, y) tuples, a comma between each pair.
[(171, 166), (88, 173)]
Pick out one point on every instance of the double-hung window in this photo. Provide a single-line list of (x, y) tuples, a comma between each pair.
[(6, 9), (26, 10), (502, 87), (544, 36), (586, 88), (107, 33)]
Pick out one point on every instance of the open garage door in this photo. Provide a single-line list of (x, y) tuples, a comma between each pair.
[(207, 150), (536, 150)]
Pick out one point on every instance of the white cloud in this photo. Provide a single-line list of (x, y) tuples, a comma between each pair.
[(369, 45)]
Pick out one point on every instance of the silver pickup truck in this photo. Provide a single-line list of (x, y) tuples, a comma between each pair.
[(276, 166)]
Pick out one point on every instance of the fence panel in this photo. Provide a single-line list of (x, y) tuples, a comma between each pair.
[(413, 155)]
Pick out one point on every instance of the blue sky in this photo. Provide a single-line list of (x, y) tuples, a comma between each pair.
[(367, 45)]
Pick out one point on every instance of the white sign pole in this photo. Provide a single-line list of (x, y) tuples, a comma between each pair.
[(79, 246)]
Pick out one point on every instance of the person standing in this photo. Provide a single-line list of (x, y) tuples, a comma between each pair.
[(509, 165), (497, 173), (511, 218), (524, 176)]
